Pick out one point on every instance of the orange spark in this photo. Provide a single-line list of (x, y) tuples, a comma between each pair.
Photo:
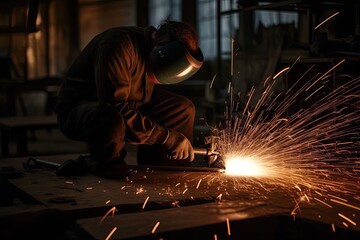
[(321, 77), (297, 60), (306, 197), (139, 190), (112, 210), (228, 226), (245, 166), (301, 145), (155, 227), (175, 204), (111, 233), (348, 219), (333, 227), (326, 204), (280, 72), (266, 80), (198, 184), (146, 200), (345, 204), (296, 207), (339, 198), (318, 193), (326, 20)]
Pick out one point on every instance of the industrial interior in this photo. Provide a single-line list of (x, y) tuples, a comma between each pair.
[(278, 88)]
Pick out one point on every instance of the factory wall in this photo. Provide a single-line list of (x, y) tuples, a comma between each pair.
[(63, 27)]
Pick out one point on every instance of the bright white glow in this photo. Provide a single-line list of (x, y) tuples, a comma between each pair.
[(186, 71), (245, 166)]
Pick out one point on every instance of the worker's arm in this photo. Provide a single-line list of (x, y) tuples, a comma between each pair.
[(178, 145), (113, 80)]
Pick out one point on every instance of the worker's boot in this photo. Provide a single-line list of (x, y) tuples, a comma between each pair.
[(111, 168)]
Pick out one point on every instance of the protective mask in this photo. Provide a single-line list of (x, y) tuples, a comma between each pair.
[(173, 63)]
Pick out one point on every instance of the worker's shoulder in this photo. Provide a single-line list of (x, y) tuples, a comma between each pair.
[(123, 30), (119, 35)]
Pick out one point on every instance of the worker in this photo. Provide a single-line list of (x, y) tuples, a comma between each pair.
[(111, 95)]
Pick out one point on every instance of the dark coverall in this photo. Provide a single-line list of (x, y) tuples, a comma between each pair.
[(107, 99)]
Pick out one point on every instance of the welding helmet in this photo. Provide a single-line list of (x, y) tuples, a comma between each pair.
[(173, 63)]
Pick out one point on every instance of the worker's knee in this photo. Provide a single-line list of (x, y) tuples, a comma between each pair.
[(109, 123), (106, 138)]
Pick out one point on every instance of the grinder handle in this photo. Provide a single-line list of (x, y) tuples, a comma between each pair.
[(201, 151), (205, 151)]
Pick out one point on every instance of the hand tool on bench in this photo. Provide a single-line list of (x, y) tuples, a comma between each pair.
[(70, 167)]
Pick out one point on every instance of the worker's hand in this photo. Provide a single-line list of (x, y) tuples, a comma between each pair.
[(179, 146)]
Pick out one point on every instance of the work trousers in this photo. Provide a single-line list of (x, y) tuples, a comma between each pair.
[(103, 128)]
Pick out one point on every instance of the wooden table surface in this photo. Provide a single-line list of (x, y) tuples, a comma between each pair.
[(155, 204)]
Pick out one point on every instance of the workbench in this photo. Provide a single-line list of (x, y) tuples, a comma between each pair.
[(18, 127), (151, 203)]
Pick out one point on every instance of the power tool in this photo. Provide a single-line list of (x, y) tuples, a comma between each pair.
[(211, 156)]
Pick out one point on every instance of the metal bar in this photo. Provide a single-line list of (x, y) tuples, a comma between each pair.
[(45, 163), (174, 168)]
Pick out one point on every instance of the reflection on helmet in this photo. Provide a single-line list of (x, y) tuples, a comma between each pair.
[(173, 63)]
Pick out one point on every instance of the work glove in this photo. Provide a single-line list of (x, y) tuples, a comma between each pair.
[(179, 147)]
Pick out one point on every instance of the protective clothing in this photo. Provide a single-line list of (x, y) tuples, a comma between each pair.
[(111, 69), (178, 145), (107, 99), (173, 63)]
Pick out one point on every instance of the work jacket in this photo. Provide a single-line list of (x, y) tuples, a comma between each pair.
[(112, 69)]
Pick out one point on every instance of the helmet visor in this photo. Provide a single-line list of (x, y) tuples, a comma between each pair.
[(173, 63)]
